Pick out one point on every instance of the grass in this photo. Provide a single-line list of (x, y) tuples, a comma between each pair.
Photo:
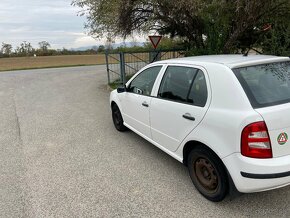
[(115, 85), (118, 83), (24, 63)]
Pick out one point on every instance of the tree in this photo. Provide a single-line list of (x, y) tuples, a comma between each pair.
[(277, 40), (101, 49), (6, 49), (209, 26), (25, 49), (109, 43), (43, 46)]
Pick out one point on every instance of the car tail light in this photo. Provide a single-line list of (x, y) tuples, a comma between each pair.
[(255, 141)]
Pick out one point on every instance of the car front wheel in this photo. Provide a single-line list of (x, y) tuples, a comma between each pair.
[(118, 119), (208, 174)]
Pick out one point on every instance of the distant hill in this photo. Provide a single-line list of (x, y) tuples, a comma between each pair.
[(84, 48), (115, 45), (128, 44)]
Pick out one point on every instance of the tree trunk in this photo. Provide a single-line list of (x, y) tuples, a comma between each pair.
[(229, 45)]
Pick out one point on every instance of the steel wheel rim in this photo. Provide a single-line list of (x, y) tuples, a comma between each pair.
[(117, 117), (206, 175)]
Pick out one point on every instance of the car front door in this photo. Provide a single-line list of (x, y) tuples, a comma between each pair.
[(137, 99), (180, 105)]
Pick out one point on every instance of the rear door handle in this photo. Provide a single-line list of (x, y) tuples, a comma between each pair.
[(145, 104), (188, 116)]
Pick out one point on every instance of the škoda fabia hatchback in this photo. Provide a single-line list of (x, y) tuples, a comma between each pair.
[(226, 117)]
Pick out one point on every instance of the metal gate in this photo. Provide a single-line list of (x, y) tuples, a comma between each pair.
[(123, 65)]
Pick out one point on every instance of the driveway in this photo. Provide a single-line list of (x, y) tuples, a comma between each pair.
[(60, 156)]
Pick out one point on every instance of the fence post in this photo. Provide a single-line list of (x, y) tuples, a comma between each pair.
[(107, 63), (174, 56), (122, 68), (154, 56)]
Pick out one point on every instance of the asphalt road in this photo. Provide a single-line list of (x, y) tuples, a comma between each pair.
[(60, 156)]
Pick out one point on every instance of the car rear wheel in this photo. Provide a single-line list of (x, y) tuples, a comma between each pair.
[(208, 174), (118, 119)]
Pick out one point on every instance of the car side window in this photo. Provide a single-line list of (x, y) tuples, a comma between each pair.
[(184, 84), (143, 83), (198, 92)]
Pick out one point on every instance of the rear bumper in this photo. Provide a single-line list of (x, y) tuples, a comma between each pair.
[(255, 175), (265, 176)]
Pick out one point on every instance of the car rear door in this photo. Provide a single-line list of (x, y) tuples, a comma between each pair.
[(137, 99), (180, 105)]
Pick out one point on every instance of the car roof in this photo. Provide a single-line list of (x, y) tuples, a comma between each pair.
[(231, 61)]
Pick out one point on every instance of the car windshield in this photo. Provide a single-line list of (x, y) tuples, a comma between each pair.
[(266, 84)]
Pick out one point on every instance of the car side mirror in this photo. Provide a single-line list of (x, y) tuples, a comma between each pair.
[(121, 89)]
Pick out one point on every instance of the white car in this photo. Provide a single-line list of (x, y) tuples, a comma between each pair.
[(226, 117)]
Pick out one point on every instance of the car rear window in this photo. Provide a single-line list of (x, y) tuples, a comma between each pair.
[(266, 84)]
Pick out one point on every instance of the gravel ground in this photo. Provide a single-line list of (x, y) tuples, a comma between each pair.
[(60, 156)]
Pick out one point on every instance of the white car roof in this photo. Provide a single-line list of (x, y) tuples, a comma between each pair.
[(231, 61)]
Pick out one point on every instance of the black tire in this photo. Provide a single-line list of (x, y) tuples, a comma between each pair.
[(118, 119), (208, 174)]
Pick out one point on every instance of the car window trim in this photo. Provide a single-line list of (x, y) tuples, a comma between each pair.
[(179, 102)]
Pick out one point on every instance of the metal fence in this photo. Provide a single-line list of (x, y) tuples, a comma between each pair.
[(123, 65)]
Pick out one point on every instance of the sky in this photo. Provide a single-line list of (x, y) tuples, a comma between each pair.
[(54, 21)]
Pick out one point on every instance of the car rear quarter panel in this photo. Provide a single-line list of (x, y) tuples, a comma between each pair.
[(277, 119)]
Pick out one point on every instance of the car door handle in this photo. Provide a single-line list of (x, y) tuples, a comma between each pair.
[(188, 116), (145, 104)]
